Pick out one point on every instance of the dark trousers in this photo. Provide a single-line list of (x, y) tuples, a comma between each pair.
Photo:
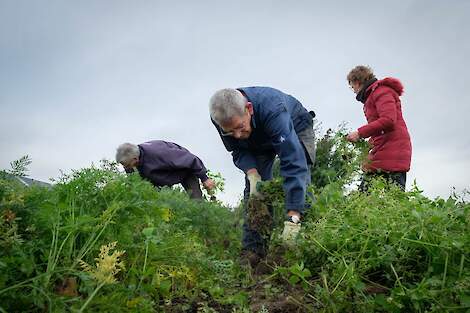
[(192, 187), (398, 178), (252, 239)]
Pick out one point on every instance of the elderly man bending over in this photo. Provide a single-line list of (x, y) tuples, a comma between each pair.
[(165, 164), (256, 124)]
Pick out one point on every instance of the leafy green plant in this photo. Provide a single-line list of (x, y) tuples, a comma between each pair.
[(20, 167), (338, 160), (381, 251), (387, 240), (166, 236), (296, 273), (219, 185)]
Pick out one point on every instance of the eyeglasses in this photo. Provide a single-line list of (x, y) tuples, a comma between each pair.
[(228, 134), (238, 128), (231, 133)]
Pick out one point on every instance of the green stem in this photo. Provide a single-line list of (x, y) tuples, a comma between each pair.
[(91, 297), (321, 246), (53, 248), (340, 280), (445, 271), (462, 259), (398, 278), (60, 250), (145, 263), (90, 243), (422, 242), (325, 283), (374, 283), (93, 239), (27, 281)]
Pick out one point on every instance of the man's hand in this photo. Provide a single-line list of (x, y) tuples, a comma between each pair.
[(209, 184), (291, 227), (254, 178), (294, 215), (353, 136)]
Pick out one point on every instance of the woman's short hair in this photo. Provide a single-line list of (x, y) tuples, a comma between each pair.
[(361, 74)]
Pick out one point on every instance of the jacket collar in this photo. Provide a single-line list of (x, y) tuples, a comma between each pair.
[(141, 159), (364, 92), (253, 120)]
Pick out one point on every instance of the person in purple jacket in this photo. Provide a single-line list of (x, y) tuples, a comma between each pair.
[(165, 164)]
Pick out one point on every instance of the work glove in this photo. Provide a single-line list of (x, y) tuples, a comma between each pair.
[(291, 229), (254, 178)]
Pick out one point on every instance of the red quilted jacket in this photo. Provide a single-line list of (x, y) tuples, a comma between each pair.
[(389, 137)]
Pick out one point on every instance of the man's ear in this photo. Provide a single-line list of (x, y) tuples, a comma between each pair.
[(249, 107)]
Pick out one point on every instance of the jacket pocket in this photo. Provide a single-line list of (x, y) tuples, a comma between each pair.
[(378, 142)]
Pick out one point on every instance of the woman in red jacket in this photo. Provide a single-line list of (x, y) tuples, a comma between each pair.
[(390, 154)]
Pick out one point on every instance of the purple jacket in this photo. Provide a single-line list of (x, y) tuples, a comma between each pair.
[(166, 163)]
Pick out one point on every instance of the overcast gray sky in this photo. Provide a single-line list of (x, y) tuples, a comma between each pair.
[(77, 78)]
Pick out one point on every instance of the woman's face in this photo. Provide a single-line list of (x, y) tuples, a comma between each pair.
[(355, 86)]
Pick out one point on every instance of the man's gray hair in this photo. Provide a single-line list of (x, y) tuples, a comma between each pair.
[(225, 104), (126, 152)]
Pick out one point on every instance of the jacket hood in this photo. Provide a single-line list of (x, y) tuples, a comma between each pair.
[(391, 82)]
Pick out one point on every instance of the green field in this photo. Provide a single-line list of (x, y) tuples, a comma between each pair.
[(101, 241)]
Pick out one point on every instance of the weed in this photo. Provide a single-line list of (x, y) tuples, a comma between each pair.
[(384, 251)]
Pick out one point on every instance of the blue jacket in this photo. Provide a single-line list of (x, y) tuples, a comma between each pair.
[(166, 163), (276, 120)]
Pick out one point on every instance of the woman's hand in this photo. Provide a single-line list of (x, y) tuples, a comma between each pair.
[(353, 136)]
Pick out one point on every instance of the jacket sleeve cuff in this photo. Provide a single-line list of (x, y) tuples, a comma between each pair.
[(244, 161), (203, 177), (300, 208), (363, 131), (246, 167)]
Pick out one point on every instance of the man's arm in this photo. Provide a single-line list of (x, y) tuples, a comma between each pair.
[(243, 159), (293, 165)]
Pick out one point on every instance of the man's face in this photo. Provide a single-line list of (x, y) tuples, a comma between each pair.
[(239, 127), (129, 166)]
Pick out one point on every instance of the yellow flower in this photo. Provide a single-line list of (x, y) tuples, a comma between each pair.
[(107, 266)]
